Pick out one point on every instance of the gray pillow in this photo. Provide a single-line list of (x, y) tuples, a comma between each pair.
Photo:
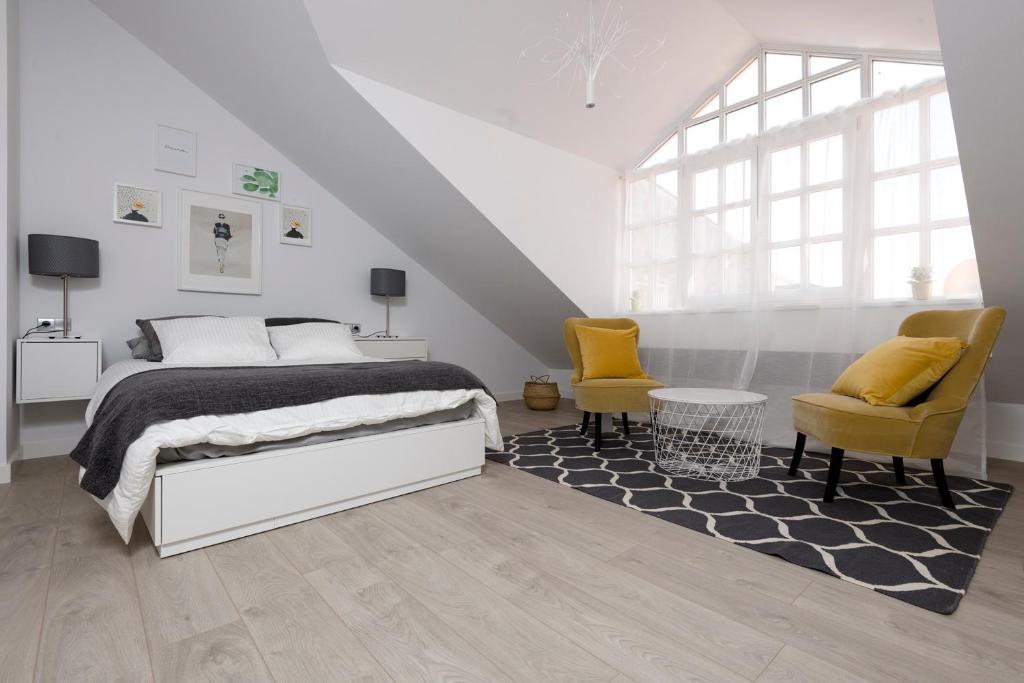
[(156, 353), (140, 348)]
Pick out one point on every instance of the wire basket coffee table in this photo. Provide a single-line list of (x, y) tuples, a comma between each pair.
[(709, 434)]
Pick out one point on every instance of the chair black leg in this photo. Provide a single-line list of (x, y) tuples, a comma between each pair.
[(625, 424), (798, 452), (835, 467), (586, 422), (940, 483), (901, 477), (597, 431)]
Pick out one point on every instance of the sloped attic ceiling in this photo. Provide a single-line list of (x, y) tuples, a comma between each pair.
[(264, 64), (466, 55)]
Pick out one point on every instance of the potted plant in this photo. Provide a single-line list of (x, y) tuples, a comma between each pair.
[(921, 282)]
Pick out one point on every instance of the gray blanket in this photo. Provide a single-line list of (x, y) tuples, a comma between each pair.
[(147, 398)]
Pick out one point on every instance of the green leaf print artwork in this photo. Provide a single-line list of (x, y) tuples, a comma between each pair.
[(257, 181)]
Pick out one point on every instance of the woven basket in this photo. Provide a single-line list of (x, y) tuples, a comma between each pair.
[(540, 393)]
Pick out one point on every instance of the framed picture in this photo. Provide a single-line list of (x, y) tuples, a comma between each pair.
[(219, 244), (252, 181), (137, 205), (296, 225), (175, 150)]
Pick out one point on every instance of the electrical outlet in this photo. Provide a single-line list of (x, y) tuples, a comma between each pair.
[(356, 328), (56, 324)]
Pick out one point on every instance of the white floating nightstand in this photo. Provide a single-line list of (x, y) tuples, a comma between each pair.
[(57, 369), (407, 348)]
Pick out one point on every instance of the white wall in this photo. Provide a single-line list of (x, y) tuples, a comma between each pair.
[(8, 228), (559, 209), (89, 111)]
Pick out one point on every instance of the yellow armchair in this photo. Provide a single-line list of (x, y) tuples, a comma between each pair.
[(597, 396), (923, 430)]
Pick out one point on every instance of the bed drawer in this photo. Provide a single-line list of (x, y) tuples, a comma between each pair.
[(266, 490)]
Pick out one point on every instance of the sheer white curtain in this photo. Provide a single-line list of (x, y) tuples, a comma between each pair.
[(772, 262)]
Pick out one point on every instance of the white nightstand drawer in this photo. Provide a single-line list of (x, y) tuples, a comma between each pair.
[(57, 370), (395, 347)]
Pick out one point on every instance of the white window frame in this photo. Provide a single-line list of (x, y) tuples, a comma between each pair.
[(862, 60)]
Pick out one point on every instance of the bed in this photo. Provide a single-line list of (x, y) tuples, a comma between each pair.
[(172, 442)]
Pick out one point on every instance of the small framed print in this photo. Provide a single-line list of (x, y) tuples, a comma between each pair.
[(252, 181), (296, 226), (137, 205), (175, 150)]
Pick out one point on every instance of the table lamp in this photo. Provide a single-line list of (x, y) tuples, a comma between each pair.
[(63, 257), (387, 282)]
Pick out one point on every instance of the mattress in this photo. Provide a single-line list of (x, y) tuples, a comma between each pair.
[(203, 451)]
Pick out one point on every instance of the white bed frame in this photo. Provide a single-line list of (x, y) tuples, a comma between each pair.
[(199, 503)]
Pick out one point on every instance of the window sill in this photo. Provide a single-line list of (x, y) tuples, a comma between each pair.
[(809, 306)]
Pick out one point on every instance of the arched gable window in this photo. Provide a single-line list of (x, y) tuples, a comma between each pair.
[(776, 87), (806, 178)]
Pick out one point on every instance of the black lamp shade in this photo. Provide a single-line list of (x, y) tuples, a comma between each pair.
[(59, 255), (387, 282)]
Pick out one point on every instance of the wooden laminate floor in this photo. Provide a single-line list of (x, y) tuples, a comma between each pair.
[(501, 577)]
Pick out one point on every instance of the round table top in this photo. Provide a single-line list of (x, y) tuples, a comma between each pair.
[(707, 396)]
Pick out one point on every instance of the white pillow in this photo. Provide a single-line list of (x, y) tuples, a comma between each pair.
[(200, 341), (329, 342)]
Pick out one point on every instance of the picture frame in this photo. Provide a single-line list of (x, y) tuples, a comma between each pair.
[(175, 150), (135, 205), (220, 246), (296, 226), (252, 181)]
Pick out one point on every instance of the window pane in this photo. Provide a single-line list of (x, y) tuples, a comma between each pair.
[(668, 151), (825, 160), (666, 188), (665, 289), (702, 136), (785, 170), (825, 264), (948, 199), (780, 69), (886, 76), (736, 273), (785, 219), (639, 201), (815, 65), (835, 91), (705, 189), (706, 234), (665, 241), (737, 181), (897, 201), (741, 123), (894, 256), (706, 277), (825, 212), (743, 85), (640, 289), (943, 138), (781, 109), (710, 106), (954, 267), (640, 246), (897, 136), (786, 268), (737, 228)]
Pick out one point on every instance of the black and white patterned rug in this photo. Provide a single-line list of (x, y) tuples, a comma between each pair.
[(897, 540)]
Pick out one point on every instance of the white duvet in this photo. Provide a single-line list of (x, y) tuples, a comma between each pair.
[(137, 469)]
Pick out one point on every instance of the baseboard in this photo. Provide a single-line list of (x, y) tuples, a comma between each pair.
[(47, 447), (5, 473)]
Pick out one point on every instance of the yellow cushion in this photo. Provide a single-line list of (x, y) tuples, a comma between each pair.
[(609, 353), (894, 372)]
